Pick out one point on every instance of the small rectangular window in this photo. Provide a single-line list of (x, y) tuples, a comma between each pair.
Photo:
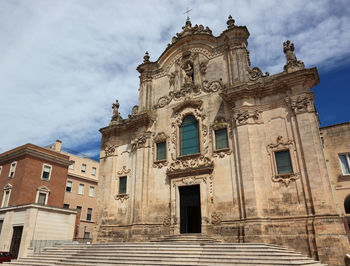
[(93, 172), (345, 163), (12, 169), (161, 151), (283, 162), (79, 208), (221, 140), (42, 198), (122, 185), (0, 169), (6, 198), (46, 172), (81, 189), (65, 206), (86, 234), (89, 214), (69, 186), (83, 168), (71, 166), (91, 191)]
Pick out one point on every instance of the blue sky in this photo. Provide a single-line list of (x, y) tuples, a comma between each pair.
[(63, 63)]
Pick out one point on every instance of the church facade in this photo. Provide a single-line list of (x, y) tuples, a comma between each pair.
[(220, 148)]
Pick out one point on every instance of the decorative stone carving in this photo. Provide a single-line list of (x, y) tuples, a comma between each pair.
[(146, 58), (109, 150), (203, 67), (160, 137), (188, 90), (190, 165), (212, 86), (189, 30), (123, 171), (215, 218), (122, 197), (243, 117), (8, 186), (219, 123), (167, 221), (301, 103), (292, 63), (160, 164), (281, 144), (188, 180), (138, 143), (172, 77), (221, 154), (255, 73), (134, 111), (230, 22), (116, 118)]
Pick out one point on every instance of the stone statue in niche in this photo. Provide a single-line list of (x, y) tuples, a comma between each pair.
[(188, 68)]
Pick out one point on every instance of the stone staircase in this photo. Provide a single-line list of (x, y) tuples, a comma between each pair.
[(195, 238), (167, 253)]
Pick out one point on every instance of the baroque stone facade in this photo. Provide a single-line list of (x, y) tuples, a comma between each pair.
[(232, 187)]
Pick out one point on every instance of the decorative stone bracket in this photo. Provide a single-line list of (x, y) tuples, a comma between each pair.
[(190, 165), (122, 197), (243, 117)]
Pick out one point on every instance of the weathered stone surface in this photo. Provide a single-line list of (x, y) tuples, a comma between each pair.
[(243, 197)]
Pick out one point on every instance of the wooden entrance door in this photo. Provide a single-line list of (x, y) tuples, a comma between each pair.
[(16, 240)]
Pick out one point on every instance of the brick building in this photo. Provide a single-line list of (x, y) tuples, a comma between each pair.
[(80, 191), (32, 182)]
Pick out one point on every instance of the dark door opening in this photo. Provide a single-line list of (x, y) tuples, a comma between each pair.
[(190, 210), (16, 240)]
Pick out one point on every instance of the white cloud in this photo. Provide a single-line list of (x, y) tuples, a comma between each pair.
[(63, 63)]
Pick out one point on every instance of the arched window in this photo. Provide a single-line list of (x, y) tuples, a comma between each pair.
[(189, 136), (347, 204)]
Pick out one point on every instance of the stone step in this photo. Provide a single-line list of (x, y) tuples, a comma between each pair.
[(167, 253)]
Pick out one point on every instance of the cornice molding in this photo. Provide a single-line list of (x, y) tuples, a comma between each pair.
[(271, 85), (135, 121), (28, 151)]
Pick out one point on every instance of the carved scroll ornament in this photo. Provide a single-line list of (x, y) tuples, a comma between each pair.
[(123, 171), (122, 197), (301, 103), (246, 117)]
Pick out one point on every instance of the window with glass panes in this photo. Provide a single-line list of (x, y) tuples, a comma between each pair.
[(89, 214), (189, 136), (12, 169), (221, 140), (161, 151), (6, 198), (345, 163), (69, 186), (122, 185), (42, 198), (81, 189), (283, 162), (91, 191), (46, 172)]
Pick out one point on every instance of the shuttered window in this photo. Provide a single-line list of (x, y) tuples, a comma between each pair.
[(189, 137), (283, 162), (161, 151), (221, 139)]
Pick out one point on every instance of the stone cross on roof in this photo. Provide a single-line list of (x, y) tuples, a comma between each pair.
[(188, 11)]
